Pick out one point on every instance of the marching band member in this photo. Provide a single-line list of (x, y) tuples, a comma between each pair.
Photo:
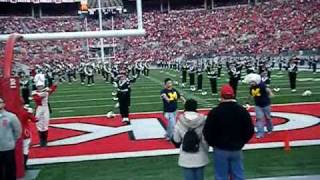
[(265, 74), (89, 71), (314, 62), (25, 87), (146, 69), (199, 72), (106, 71), (212, 73), (123, 84), (82, 73), (184, 69), (40, 97), (138, 68), (234, 77), (293, 69), (219, 68), (192, 72)]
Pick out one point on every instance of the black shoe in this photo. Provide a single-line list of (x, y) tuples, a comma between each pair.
[(45, 138)]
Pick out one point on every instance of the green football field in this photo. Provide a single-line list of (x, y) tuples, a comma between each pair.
[(76, 100)]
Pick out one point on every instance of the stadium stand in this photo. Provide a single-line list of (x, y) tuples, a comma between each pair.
[(268, 28)]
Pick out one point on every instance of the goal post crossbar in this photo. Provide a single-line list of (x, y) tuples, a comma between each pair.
[(86, 34), (77, 35)]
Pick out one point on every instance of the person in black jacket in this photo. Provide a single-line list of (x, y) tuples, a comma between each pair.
[(228, 128)]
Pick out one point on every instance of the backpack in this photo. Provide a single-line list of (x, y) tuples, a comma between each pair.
[(191, 141)]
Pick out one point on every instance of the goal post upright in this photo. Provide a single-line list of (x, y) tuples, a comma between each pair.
[(9, 85)]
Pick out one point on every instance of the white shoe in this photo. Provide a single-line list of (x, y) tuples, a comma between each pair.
[(293, 90), (110, 114), (117, 105), (259, 136), (126, 120)]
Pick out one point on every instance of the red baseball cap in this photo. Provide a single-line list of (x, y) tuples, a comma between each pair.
[(227, 92)]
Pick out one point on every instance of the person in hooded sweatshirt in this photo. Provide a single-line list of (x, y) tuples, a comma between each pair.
[(192, 163)]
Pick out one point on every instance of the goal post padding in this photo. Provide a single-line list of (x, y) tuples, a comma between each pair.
[(10, 92)]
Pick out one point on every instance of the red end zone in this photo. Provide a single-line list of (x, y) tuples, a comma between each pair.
[(93, 138)]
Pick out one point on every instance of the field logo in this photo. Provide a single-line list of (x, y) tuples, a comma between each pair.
[(92, 138)]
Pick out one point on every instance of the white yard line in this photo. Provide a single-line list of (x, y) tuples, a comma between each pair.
[(151, 153), (107, 89), (136, 91), (153, 112), (311, 177), (189, 94), (103, 105), (102, 99)]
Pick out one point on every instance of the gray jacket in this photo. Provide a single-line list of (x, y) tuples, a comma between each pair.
[(10, 131), (191, 120)]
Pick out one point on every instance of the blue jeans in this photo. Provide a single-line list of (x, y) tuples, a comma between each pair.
[(171, 117), (193, 173), (228, 163), (263, 116)]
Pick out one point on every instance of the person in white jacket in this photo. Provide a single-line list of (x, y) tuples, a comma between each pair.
[(192, 163)]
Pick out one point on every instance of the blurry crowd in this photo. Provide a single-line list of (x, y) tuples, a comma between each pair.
[(270, 28)]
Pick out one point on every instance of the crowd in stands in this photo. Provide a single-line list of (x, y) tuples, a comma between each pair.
[(268, 28)]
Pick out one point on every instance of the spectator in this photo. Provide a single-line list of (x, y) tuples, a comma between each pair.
[(170, 96), (10, 131), (193, 163), (228, 128)]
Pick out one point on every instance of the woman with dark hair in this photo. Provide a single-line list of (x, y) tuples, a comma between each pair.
[(194, 149)]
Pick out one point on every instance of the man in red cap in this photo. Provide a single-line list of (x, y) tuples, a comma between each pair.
[(228, 128)]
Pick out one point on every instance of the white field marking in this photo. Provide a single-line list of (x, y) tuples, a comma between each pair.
[(206, 88), (103, 105), (135, 91), (172, 75), (308, 79), (285, 95), (296, 121), (153, 87), (162, 152), (200, 109), (310, 177), (66, 111), (93, 132), (142, 84), (101, 86), (101, 99), (150, 103), (106, 89), (151, 96)]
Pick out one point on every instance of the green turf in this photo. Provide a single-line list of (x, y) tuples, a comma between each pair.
[(76, 100), (258, 163)]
